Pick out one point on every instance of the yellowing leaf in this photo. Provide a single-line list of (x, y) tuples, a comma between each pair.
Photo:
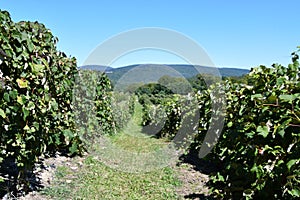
[(22, 83), (26, 128), (19, 100), (2, 113)]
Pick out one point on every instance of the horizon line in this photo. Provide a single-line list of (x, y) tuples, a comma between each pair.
[(137, 64)]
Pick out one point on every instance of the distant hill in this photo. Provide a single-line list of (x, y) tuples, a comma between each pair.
[(96, 67), (231, 72), (152, 72)]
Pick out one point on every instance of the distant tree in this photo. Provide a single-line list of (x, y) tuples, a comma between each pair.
[(202, 81), (237, 79), (177, 85), (165, 80), (151, 89), (133, 87)]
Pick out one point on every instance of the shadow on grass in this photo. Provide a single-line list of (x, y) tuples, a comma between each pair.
[(13, 187), (201, 165), (198, 196), (204, 166)]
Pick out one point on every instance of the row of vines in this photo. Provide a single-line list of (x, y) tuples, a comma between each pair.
[(260, 146), (258, 152), (46, 103)]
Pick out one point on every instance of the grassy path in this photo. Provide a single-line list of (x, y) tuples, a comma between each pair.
[(90, 178), (131, 137)]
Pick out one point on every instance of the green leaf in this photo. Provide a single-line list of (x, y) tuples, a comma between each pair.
[(220, 177), (263, 131), (250, 134), (73, 149), (68, 133), (15, 108), (37, 68), (32, 130), (13, 94), (287, 98), (36, 125), (24, 36), (229, 124), (54, 104), (280, 162), (281, 131), (2, 113), (6, 97), (291, 163), (272, 99), (294, 192), (241, 110), (30, 45), (25, 113), (256, 96), (280, 80), (258, 170), (30, 137), (31, 105)]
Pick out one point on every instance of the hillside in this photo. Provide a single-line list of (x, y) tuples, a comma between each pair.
[(152, 72)]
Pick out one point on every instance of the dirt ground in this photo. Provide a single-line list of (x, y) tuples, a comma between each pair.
[(189, 171), (193, 182)]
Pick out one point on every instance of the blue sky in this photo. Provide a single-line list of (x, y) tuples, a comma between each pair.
[(240, 34)]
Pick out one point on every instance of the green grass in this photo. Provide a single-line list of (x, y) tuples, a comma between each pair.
[(96, 180), (131, 138)]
